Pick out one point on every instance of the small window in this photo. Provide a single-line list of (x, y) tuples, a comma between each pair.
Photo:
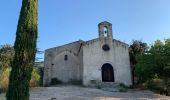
[(65, 57)]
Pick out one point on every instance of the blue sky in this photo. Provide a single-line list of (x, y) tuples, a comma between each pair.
[(64, 21)]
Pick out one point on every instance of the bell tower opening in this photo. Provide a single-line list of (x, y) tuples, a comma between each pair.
[(105, 30)]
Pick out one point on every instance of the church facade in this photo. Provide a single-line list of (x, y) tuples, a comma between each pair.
[(99, 60)]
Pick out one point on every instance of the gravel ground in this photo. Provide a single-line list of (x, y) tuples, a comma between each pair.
[(83, 93)]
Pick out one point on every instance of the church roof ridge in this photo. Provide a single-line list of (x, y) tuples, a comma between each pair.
[(120, 42), (93, 40), (81, 41)]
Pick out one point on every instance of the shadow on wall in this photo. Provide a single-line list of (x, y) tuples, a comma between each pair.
[(55, 81)]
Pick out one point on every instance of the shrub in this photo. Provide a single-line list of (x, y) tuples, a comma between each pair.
[(168, 86), (158, 85), (35, 78), (4, 79)]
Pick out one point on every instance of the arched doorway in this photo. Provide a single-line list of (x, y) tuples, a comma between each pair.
[(107, 73)]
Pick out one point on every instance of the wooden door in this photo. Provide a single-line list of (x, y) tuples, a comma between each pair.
[(107, 73)]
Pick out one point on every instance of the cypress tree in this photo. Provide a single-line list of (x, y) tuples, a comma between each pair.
[(25, 50)]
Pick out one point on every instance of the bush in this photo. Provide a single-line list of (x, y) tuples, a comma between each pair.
[(158, 85), (35, 78), (4, 79), (168, 87)]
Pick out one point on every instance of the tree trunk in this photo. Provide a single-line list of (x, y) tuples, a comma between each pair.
[(25, 50)]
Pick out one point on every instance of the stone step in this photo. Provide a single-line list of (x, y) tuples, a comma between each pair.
[(111, 86), (108, 84), (111, 89)]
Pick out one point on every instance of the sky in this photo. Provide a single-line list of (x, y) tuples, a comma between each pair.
[(64, 21)]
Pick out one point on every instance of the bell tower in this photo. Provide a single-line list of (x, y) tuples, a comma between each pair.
[(105, 30)]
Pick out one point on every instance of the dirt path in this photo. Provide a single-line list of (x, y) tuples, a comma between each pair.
[(81, 93)]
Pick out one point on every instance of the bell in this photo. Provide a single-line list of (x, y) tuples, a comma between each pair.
[(105, 32)]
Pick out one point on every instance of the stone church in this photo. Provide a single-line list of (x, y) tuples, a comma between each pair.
[(100, 60)]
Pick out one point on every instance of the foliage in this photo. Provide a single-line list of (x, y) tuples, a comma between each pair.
[(159, 85), (136, 48), (155, 83), (6, 56), (145, 68), (153, 67), (35, 79), (155, 62), (40, 68), (4, 80), (25, 49)]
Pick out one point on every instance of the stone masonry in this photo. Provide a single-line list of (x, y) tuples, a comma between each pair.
[(99, 60)]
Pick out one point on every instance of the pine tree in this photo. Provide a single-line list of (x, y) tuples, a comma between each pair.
[(25, 50)]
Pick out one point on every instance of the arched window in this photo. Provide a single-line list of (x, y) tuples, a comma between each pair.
[(105, 31), (107, 73)]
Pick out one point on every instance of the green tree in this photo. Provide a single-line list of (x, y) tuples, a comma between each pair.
[(145, 67), (136, 48), (6, 56), (154, 62), (25, 50), (167, 57)]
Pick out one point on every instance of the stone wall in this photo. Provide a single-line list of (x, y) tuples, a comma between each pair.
[(85, 60), (94, 57), (57, 66)]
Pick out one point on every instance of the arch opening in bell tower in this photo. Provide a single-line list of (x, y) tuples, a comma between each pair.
[(105, 30)]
